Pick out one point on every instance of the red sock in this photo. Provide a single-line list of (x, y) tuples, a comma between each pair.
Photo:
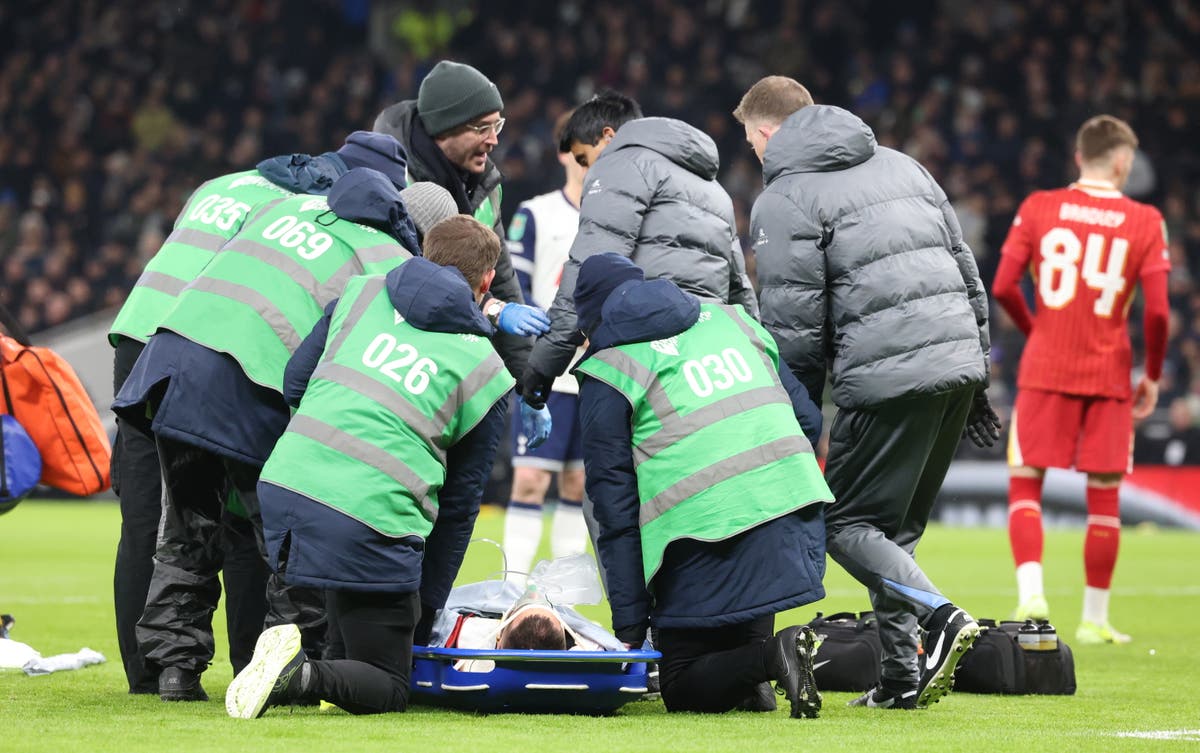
[(1103, 535), (1025, 519)]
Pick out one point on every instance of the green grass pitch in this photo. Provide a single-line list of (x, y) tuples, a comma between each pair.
[(56, 578)]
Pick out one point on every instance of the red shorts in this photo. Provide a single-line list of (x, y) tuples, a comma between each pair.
[(1057, 430)]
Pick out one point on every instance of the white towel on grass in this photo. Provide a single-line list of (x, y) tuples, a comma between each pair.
[(17, 655)]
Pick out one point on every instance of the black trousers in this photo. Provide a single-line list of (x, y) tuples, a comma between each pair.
[(886, 465), (712, 669), (137, 481), (376, 631), (198, 538), (286, 604)]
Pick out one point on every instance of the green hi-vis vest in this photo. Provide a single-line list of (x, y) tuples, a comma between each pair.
[(716, 445), (215, 213), (488, 212), (263, 293), (382, 407)]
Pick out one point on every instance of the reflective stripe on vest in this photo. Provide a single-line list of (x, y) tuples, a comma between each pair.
[(723, 470), (466, 389), (759, 345), (199, 238), (379, 254), (369, 388), (262, 306), (163, 283), (278, 259), (261, 211), (360, 305), (348, 444)]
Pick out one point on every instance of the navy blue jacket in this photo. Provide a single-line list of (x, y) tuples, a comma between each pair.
[(776, 566), (302, 173), (202, 397), (312, 544)]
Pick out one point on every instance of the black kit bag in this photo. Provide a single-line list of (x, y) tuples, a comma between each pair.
[(994, 664), (850, 654), (1000, 664), (1047, 672)]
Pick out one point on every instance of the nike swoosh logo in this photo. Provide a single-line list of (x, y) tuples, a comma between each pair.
[(820, 664), (932, 657)]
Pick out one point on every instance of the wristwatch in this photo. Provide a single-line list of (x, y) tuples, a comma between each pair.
[(492, 310)]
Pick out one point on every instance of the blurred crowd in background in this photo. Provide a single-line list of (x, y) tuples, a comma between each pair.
[(112, 112)]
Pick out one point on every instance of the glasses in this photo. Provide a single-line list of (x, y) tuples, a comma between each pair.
[(482, 130)]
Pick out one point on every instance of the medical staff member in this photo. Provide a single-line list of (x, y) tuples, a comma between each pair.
[(705, 487), (373, 490)]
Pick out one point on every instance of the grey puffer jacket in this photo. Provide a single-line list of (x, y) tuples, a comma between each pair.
[(861, 261), (652, 196)]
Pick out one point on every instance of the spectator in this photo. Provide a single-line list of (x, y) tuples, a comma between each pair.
[(993, 91), (1174, 442)]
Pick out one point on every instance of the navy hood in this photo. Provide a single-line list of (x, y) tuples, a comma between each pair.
[(436, 299), (599, 275), (367, 196), (303, 173), (641, 311), (378, 151)]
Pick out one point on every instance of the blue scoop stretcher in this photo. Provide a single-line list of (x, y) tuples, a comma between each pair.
[(524, 681)]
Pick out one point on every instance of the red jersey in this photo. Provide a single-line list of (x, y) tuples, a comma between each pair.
[(1086, 246)]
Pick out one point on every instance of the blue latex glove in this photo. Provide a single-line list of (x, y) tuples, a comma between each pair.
[(535, 423), (523, 321)]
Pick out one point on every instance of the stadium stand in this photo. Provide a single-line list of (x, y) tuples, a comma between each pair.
[(110, 113)]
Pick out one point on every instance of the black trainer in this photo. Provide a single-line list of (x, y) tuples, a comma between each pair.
[(880, 698), (951, 631), (176, 684), (789, 663)]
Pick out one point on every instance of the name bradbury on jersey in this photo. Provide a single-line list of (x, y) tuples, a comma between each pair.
[(1091, 215)]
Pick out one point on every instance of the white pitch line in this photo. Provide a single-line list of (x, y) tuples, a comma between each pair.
[(1162, 734), (1118, 591), (57, 600)]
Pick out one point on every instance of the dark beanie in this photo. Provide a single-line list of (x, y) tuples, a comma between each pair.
[(599, 276), (453, 94), (378, 151)]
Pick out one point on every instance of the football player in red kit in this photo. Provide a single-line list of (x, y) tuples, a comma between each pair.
[(1087, 246)]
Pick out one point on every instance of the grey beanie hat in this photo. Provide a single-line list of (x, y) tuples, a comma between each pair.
[(453, 94), (428, 204)]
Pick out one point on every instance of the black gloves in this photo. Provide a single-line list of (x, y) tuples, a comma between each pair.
[(983, 425), (535, 387)]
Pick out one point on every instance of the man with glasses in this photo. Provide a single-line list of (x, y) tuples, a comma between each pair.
[(449, 131)]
